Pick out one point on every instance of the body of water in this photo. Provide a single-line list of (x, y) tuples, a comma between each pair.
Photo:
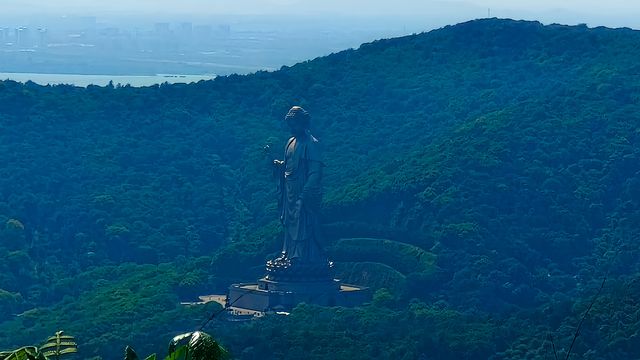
[(102, 80)]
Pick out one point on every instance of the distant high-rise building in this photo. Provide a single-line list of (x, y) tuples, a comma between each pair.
[(162, 29), (23, 37), (4, 36), (42, 37), (110, 32), (185, 33), (202, 31), (77, 24), (224, 29), (186, 29)]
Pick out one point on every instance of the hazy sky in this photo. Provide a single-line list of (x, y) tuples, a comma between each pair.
[(592, 12)]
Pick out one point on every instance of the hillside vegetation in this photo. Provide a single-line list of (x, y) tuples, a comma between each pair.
[(483, 178)]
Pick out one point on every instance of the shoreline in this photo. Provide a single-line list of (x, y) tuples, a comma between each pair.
[(84, 80)]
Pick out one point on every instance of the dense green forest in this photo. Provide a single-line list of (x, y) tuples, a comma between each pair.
[(482, 178)]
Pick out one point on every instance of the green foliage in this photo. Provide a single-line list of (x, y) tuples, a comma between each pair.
[(195, 346), (114, 304), (188, 346), (371, 274), (10, 302), (382, 298), (373, 331), (13, 235), (404, 257), (24, 353), (55, 346), (381, 263)]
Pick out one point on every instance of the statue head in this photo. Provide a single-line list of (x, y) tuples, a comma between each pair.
[(298, 120)]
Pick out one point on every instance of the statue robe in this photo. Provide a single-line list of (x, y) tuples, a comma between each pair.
[(301, 180)]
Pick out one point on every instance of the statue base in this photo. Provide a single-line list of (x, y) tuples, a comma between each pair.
[(287, 285), (286, 270)]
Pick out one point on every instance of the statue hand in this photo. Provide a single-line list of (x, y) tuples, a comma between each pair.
[(267, 152)]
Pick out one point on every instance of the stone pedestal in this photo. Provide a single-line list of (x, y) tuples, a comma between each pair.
[(287, 285)]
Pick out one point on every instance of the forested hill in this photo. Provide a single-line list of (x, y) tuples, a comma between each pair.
[(506, 151)]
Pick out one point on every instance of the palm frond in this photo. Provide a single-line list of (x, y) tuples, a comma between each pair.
[(24, 353), (60, 352), (59, 344), (179, 353), (62, 343), (195, 346)]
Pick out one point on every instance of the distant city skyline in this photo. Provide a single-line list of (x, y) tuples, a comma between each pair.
[(148, 37), (613, 13)]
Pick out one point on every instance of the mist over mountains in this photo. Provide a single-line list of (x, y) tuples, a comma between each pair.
[(427, 14)]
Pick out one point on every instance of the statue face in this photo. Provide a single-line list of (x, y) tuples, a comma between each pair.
[(296, 126), (298, 120)]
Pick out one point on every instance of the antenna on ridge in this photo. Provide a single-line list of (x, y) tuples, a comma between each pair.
[(488, 12)]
